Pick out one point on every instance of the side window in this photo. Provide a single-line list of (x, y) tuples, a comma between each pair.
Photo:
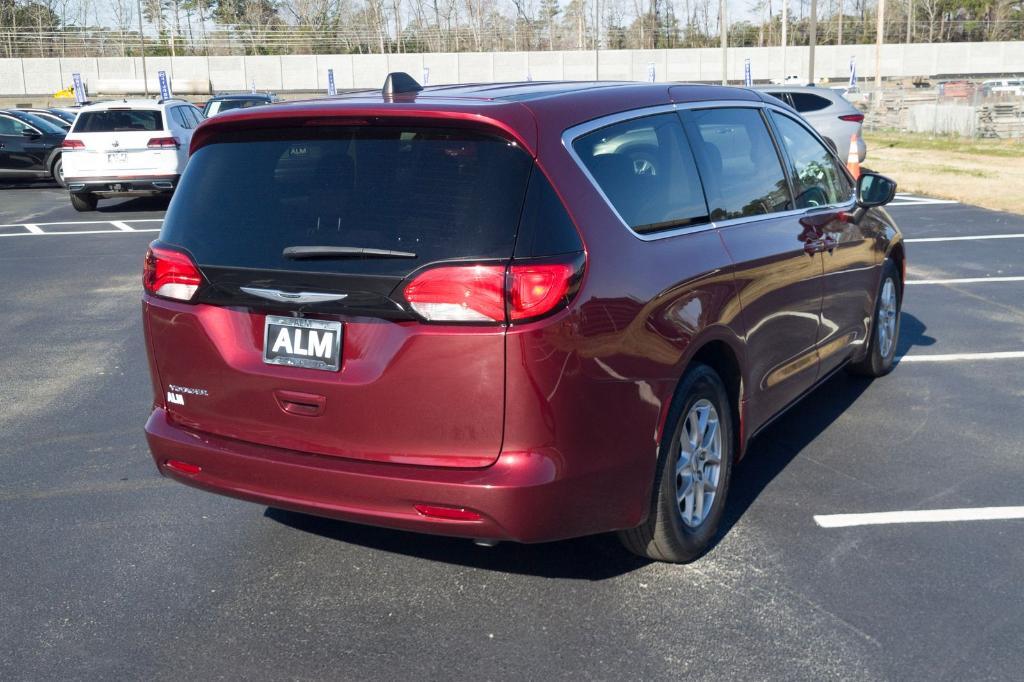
[(9, 126), (741, 169), (178, 114), (784, 96), (647, 171), (196, 115), (817, 180), (805, 101)]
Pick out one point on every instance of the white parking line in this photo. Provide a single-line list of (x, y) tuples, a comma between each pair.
[(33, 229), (965, 280), (919, 516), (53, 234), (122, 226), (954, 357), (921, 240), (88, 222), (914, 200)]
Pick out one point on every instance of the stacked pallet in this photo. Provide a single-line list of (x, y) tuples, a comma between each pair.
[(1001, 119)]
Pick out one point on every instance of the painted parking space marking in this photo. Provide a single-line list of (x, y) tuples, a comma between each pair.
[(65, 227), (915, 200), (922, 240), (962, 357), (965, 280), (919, 516)]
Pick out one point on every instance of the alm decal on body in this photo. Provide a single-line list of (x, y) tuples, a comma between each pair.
[(176, 394)]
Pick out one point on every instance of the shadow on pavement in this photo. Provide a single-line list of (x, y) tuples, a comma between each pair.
[(133, 205), (597, 557), (601, 557)]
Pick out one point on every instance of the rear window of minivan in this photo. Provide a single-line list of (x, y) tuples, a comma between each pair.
[(119, 120), (437, 193)]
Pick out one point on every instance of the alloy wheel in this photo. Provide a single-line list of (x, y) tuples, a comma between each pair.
[(699, 465)]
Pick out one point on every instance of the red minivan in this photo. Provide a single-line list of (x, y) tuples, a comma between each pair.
[(523, 311)]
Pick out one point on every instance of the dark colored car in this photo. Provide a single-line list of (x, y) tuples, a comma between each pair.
[(62, 119), (30, 146), (508, 312), (221, 103)]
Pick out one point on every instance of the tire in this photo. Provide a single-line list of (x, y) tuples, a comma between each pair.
[(58, 172), (84, 202), (881, 355), (666, 535)]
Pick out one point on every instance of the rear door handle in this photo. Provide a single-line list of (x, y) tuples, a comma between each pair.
[(300, 404)]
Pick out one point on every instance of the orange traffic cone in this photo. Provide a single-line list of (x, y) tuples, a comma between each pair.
[(853, 158)]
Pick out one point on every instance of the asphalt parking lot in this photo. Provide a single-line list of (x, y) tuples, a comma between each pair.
[(109, 571)]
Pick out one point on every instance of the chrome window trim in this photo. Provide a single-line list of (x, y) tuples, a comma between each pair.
[(570, 135)]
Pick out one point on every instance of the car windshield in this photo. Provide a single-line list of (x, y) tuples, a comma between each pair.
[(119, 120), (219, 105)]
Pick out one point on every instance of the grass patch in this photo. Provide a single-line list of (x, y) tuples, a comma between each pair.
[(1005, 148), (970, 172)]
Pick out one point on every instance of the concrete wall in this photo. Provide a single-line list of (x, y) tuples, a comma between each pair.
[(309, 73)]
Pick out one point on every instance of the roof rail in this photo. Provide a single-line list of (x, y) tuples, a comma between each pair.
[(171, 99), (399, 82)]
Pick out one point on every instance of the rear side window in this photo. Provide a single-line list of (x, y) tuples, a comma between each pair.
[(805, 101), (740, 166), (181, 117), (119, 120), (436, 193), (11, 126), (647, 171), (816, 178)]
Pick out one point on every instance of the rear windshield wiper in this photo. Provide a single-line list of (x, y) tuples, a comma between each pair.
[(309, 252)]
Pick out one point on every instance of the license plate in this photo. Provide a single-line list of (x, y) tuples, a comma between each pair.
[(117, 157), (300, 342)]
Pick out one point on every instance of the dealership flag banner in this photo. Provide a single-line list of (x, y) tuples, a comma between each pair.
[(330, 83), (748, 80), (853, 72), (426, 75), (76, 80), (165, 86), (650, 72)]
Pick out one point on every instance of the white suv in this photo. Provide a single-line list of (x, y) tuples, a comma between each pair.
[(127, 147)]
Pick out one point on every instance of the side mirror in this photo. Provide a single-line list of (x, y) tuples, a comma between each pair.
[(874, 190), (30, 133)]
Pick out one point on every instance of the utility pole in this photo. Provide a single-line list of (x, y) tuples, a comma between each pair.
[(910, 20), (597, 40), (785, 23), (879, 39), (724, 30), (839, 38), (813, 39), (142, 48)]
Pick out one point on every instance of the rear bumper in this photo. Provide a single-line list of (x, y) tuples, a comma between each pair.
[(525, 497), (112, 186)]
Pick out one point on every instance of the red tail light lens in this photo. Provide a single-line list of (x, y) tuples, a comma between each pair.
[(170, 274), (163, 143), (183, 467), (464, 293), (72, 144), (536, 289), (478, 293), (451, 513), (852, 118)]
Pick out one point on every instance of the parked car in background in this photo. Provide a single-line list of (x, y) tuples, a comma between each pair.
[(828, 111), (221, 103), (30, 146), (519, 311), (56, 116), (127, 147)]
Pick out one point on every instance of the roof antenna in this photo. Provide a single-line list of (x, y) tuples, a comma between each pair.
[(399, 82)]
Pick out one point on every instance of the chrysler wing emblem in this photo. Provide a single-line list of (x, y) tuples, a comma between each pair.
[(290, 297)]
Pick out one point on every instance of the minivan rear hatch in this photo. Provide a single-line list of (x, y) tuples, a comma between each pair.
[(306, 238)]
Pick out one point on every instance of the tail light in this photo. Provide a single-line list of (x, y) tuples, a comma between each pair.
[(852, 118), (72, 144), (163, 143), (170, 274), (493, 293)]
